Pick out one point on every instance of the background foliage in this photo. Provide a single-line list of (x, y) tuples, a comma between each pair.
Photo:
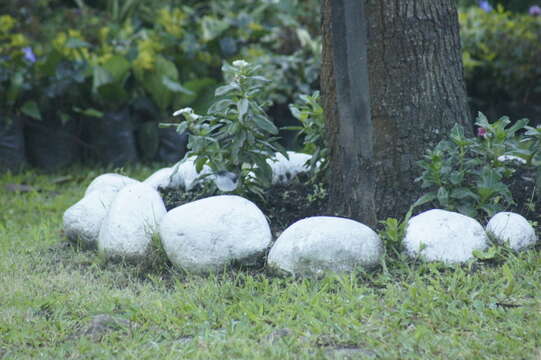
[(89, 67)]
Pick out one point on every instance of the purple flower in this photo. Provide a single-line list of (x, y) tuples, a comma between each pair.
[(482, 132), (535, 10), (29, 54), (485, 5)]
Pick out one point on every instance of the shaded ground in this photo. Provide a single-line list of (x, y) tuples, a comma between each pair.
[(525, 194)]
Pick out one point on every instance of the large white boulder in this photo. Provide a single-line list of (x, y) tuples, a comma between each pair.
[(82, 221), (113, 182), (320, 244), (284, 170), (513, 229), (132, 220), (207, 235), (439, 235)]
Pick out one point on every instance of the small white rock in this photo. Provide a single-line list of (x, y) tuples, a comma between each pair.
[(319, 244), (164, 179), (113, 182), (82, 221), (207, 235), (132, 219), (513, 229), (439, 235), (284, 170), (187, 171)]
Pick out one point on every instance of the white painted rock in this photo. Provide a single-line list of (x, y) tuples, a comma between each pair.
[(132, 219), (439, 235), (284, 170), (187, 172), (185, 176), (164, 179), (511, 228), (207, 235), (82, 221), (321, 244), (113, 182)]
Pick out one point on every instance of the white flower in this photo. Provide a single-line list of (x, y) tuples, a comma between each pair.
[(187, 110), (240, 63), (188, 113)]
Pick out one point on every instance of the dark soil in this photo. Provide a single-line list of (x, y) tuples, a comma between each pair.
[(282, 204), (526, 195)]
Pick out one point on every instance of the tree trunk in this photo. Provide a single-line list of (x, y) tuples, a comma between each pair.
[(407, 54)]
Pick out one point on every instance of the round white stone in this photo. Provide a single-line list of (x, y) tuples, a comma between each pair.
[(316, 245), (187, 172), (82, 221), (207, 235), (513, 229), (439, 235), (284, 170), (113, 182), (164, 179), (132, 219)]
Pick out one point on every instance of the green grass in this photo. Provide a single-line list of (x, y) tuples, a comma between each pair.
[(49, 294)]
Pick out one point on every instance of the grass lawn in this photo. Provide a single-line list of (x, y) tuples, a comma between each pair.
[(52, 296)]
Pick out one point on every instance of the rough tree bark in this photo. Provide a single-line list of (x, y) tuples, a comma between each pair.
[(392, 84)]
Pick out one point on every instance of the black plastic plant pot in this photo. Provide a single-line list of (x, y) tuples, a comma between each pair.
[(172, 146), (52, 145), (111, 138), (12, 151)]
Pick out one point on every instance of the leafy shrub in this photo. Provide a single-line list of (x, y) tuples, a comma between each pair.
[(501, 53), (310, 113), (16, 59), (235, 135), (512, 5), (470, 175)]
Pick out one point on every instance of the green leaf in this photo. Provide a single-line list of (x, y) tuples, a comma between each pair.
[(295, 111), (182, 127), (89, 112), (457, 134), (487, 254), (118, 67), (463, 193), (222, 90), (456, 177), (212, 27), (265, 124), (263, 170), (202, 92), (100, 77), (175, 86), (518, 125), (425, 199), (242, 107), (74, 43), (31, 109), (15, 87), (153, 82), (200, 163), (443, 196), (220, 106)]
